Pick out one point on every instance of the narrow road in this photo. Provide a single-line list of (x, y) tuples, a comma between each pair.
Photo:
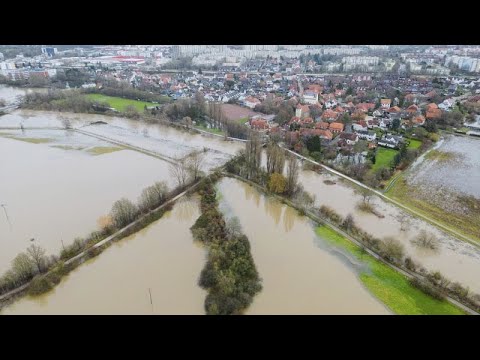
[(393, 201)]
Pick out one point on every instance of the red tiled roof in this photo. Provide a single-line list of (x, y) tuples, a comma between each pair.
[(336, 126)]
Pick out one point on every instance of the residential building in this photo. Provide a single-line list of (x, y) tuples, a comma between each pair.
[(366, 135), (349, 138)]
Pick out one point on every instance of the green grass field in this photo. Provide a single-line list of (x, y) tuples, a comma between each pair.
[(388, 285), (414, 144), (119, 103), (384, 157), (213, 131), (99, 150)]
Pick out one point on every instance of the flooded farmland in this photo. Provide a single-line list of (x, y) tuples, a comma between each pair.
[(300, 274), (168, 141), (56, 189), (162, 257)]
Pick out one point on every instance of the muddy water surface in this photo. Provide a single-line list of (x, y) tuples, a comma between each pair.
[(163, 258), (300, 273)]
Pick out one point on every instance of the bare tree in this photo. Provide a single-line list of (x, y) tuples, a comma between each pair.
[(37, 254), (195, 163), (66, 123), (179, 171), (187, 121), (153, 196), (393, 249), (253, 154), (404, 220), (275, 158), (292, 174), (426, 240), (123, 212)]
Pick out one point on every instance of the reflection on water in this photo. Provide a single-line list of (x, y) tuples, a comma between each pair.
[(299, 277), (272, 209), (289, 216), (162, 258)]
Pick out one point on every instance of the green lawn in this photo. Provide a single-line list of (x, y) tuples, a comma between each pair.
[(384, 157), (242, 120), (414, 144), (388, 285), (119, 103), (213, 131)]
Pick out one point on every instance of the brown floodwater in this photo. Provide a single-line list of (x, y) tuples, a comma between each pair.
[(52, 194), (162, 257), (457, 260), (301, 274)]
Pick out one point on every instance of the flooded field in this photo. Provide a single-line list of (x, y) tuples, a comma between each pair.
[(453, 169), (57, 188), (456, 259), (168, 141), (301, 274), (10, 94), (162, 257)]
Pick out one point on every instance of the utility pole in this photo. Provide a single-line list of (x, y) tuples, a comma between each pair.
[(151, 302)]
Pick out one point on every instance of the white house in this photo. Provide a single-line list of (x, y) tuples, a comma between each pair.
[(390, 141), (360, 126), (366, 135), (310, 97), (446, 104), (251, 102)]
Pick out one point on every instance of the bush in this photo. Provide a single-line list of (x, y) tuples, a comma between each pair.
[(40, 285), (392, 250), (427, 288)]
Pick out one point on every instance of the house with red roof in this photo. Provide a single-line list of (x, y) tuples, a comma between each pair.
[(394, 109), (322, 125), (412, 109), (329, 115), (418, 120), (336, 127), (365, 107), (251, 102), (385, 103)]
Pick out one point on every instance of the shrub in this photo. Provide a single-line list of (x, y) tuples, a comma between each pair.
[(427, 288), (392, 250), (40, 285)]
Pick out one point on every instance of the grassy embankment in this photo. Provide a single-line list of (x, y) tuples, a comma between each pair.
[(388, 285)]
